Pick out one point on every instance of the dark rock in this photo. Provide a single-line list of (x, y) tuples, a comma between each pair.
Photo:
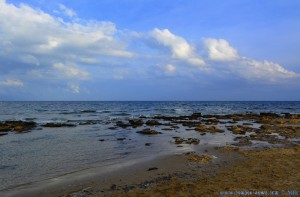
[(3, 133), (121, 138), (152, 123), (17, 126), (148, 144), (101, 140), (148, 132), (122, 124), (113, 187), (154, 168), (179, 140), (54, 125), (136, 123)]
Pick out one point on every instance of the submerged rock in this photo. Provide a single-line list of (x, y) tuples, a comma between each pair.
[(148, 132)]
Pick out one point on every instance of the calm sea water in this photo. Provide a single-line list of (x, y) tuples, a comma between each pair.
[(49, 152)]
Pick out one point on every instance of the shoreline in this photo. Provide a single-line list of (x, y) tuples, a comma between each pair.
[(267, 136), (110, 180), (231, 169)]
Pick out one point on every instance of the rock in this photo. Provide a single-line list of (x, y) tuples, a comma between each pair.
[(148, 132), (179, 140), (113, 187), (122, 124), (214, 129), (201, 128), (54, 125), (152, 123), (136, 123), (101, 140), (192, 141), (154, 168), (237, 129), (148, 144), (3, 133), (17, 126), (121, 138)]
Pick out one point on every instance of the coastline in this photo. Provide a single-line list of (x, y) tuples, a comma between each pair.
[(231, 169), (111, 180), (265, 144)]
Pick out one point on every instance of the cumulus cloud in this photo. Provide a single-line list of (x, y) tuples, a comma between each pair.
[(32, 36), (12, 83), (179, 47), (71, 71), (263, 71), (220, 50)]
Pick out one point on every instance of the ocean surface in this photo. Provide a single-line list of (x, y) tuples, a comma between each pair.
[(49, 152)]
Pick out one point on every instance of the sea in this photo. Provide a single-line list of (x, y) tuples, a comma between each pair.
[(45, 153)]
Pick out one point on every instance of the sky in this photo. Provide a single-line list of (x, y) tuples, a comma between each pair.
[(150, 50)]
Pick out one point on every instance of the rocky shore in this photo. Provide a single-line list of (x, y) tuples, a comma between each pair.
[(272, 166)]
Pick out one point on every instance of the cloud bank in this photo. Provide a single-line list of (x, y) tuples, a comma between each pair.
[(38, 46)]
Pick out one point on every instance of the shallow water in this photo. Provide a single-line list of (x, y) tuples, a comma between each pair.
[(50, 152)]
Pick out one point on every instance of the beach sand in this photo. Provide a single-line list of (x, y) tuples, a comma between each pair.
[(227, 170)]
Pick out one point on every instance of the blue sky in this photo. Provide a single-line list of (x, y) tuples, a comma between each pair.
[(149, 50)]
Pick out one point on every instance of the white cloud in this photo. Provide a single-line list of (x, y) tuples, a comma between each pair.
[(67, 11), (74, 88), (262, 71), (38, 38), (71, 71), (12, 82), (170, 69), (180, 48), (220, 50)]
